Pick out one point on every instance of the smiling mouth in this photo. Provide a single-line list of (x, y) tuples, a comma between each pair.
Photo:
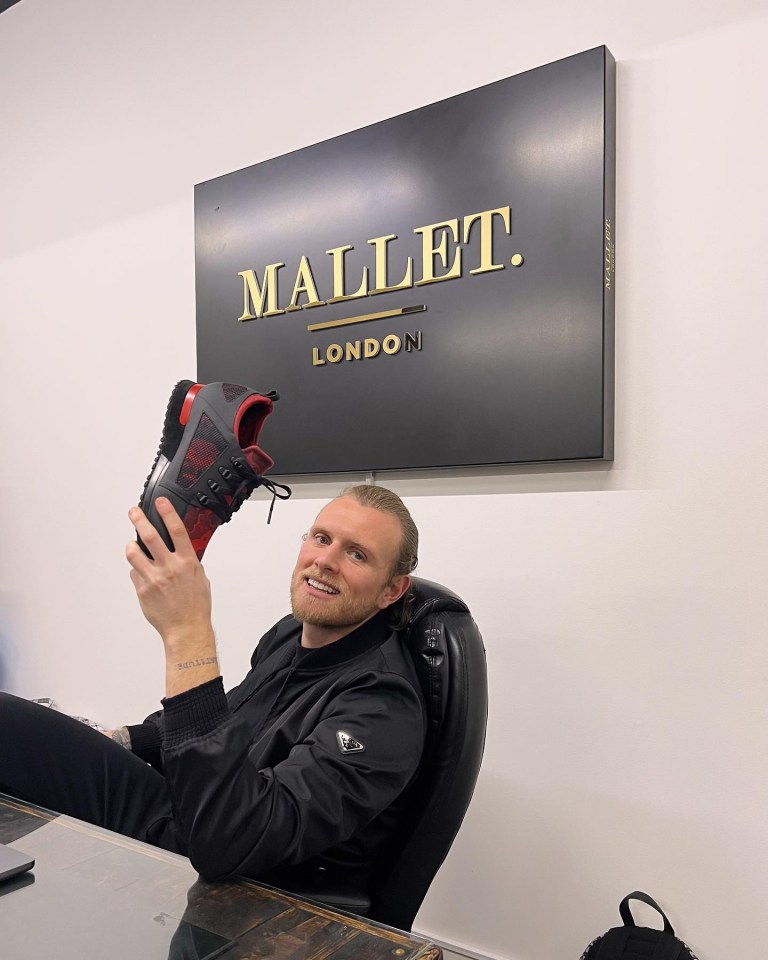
[(323, 587)]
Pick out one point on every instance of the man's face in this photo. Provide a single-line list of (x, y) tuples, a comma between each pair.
[(343, 573)]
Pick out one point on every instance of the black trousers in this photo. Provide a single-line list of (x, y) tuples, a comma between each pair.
[(54, 761)]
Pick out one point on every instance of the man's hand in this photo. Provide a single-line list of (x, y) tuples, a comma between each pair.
[(175, 597), (120, 735)]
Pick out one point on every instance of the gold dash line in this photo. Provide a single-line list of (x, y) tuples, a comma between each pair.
[(382, 315)]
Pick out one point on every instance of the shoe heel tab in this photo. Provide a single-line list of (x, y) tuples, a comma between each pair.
[(186, 407)]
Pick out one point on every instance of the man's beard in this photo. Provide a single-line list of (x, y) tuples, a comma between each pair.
[(343, 611)]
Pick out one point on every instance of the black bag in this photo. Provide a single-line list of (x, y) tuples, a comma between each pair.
[(631, 942)]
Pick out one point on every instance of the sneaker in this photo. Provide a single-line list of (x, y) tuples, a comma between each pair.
[(208, 463)]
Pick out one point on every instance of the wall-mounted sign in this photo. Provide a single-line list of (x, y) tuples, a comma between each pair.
[(435, 290)]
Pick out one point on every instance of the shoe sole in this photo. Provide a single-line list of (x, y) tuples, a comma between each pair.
[(176, 416)]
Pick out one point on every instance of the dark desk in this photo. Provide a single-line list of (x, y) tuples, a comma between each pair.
[(94, 895)]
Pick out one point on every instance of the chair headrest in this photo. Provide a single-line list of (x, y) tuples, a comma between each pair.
[(430, 597), (441, 636)]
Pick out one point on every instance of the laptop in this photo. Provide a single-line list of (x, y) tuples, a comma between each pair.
[(13, 862)]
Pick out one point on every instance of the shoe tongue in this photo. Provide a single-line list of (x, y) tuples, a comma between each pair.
[(258, 460)]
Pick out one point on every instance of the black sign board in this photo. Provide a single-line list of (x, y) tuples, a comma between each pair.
[(435, 290)]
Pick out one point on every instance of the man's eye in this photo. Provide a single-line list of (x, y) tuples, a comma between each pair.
[(357, 555), (321, 539)]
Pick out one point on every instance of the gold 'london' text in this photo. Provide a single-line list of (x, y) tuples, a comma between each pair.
[(366, 349)]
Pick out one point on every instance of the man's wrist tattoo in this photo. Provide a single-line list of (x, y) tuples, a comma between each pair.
[(120, 735), (200, 662)]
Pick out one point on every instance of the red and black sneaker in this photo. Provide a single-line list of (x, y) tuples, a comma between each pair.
[(209, 463)]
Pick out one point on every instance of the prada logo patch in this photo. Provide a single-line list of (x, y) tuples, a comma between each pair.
[(348, 744)]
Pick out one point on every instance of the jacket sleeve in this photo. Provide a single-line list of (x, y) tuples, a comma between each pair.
[(146, 739), (241, 816)]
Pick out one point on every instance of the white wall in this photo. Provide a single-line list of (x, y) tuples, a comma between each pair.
[(624, 607)]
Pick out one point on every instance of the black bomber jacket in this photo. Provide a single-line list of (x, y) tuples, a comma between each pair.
[(301, 768)]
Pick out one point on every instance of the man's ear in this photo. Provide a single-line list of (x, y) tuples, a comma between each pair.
[(394, 590)]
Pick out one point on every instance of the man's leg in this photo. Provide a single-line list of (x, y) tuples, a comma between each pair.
[(54, 761)]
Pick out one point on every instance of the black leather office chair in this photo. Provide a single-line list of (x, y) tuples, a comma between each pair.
[(448, 651)]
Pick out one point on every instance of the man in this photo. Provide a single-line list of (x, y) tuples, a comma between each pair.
[(295, 776)]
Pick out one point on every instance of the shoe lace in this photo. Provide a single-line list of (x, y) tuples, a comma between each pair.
[(236, 485)]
